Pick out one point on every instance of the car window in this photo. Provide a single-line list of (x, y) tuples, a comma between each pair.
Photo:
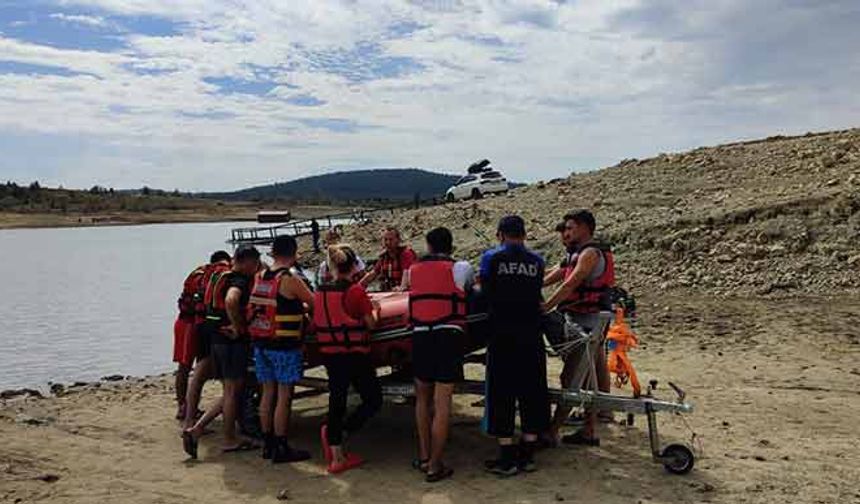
[(491, 175), (468, 178)]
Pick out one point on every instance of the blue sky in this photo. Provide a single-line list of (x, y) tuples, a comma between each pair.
[(218, 94)]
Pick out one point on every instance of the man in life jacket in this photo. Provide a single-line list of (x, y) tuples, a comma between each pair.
[(391, 263), (186, 338), (511, 278), (226, 302), (276, 312), (588, 279), (344, 315), (438, 288)]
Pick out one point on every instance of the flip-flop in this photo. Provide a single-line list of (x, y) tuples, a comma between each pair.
[(241, 447), (443, 473), (189, 444), (352, 461)]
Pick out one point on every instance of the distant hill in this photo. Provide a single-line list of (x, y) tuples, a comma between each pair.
[(359, 185)]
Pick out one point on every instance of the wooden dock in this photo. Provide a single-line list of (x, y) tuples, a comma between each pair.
[(265, 235)]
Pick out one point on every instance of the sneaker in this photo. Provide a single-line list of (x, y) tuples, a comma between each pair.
[(268, 446), (284, 453), (525, 457), (502, 468)]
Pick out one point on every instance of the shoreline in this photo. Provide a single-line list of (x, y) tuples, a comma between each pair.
[(17, 220)]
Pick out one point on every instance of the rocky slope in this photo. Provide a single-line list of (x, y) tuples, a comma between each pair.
[(773, 216)]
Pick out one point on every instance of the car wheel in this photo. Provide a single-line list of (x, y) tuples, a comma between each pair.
[(476, 194), (449, 197)]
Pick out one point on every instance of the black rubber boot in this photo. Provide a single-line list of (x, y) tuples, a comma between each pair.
[(268, 445), (526, 456), (506, 465)]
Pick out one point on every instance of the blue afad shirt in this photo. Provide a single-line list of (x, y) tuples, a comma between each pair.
[(512, 280)]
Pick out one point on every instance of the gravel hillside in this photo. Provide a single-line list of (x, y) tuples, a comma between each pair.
[(773, 216)]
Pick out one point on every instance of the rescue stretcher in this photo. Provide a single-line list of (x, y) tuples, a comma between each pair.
[(391, 347)]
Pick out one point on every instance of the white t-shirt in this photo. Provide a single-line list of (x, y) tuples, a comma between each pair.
[(322, 271)]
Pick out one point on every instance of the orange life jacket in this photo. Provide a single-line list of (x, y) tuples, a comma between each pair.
[(619, 338), (391, 268), (189, 300), (216, 294), (268, 318), (336, 331), (591, 296), (434, 297)]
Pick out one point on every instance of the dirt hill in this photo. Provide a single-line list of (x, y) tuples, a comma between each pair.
[(779, 215)]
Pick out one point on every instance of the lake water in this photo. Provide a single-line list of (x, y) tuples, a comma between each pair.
[(82, 303)]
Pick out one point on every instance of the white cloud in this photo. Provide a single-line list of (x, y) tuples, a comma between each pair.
[(541, 87), (92, 21)]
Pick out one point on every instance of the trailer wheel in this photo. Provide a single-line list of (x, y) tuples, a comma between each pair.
[(677, 459)]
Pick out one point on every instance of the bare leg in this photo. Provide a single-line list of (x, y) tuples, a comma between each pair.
[(181, 386), (441, 423), (232, 391), (423, 399), (203, 371), (283, 409), (267, 403), (212, 413)]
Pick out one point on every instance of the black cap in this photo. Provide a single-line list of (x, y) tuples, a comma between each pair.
[(246, 252), (284, 246), (513, 226)]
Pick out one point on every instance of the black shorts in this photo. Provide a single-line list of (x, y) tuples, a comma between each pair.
[(516, 377), (437, 355), (231, 360)]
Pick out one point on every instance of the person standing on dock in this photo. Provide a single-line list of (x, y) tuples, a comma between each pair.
[(392, 262), (315, 234)]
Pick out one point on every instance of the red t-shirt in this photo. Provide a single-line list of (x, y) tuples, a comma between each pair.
[(356, 302)]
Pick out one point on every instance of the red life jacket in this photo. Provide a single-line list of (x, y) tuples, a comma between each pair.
[(190, 298), (267, 317), (215, 296), (591, 296), (336, 331), (391, 268), (434, 297)]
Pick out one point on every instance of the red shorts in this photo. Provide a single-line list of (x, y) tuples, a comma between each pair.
[(184, 341)]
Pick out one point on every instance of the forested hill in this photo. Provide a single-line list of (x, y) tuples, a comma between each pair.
[(359, 185)]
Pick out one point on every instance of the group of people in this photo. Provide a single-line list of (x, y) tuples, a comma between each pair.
[(235, 309)]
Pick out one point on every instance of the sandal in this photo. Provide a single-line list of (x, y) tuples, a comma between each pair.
[(189, 444), (442, 473), (241, 447), (420, 465)]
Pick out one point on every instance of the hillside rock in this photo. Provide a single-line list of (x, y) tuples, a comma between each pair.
[(779, 215)]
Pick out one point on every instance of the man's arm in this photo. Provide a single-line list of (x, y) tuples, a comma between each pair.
[(554, 276), (295, 287), (584, 266), (234, 313)]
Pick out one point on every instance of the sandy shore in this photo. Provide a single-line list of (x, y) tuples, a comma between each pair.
[(776, 385)]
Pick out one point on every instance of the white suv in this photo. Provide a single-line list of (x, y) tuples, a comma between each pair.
[(476, 185)]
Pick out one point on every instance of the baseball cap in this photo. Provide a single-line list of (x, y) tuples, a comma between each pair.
[(512, 225)]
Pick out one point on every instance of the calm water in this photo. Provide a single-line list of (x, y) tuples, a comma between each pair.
[(79, 304)]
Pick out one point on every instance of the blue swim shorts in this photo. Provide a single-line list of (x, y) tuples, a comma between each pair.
[(282, 366)]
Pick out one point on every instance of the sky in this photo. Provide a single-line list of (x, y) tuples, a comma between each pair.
[(224, 94)]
